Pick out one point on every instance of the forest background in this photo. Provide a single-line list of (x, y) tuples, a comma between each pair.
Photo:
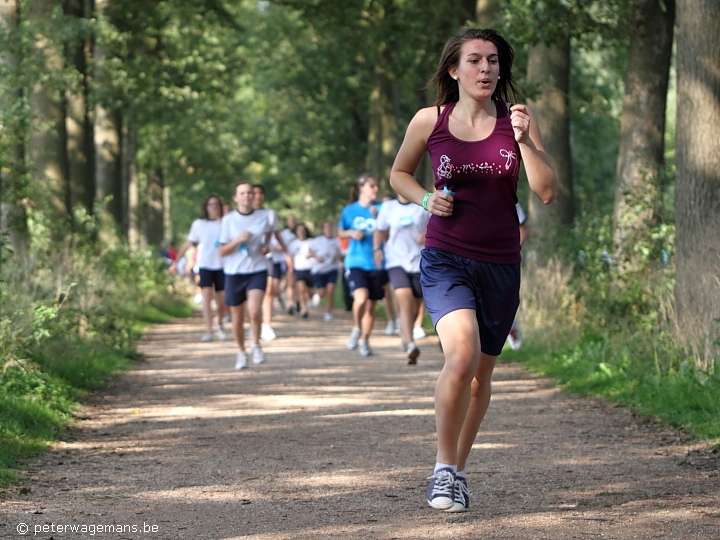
[(117, 118)]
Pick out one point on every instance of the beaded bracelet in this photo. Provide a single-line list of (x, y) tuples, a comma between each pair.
[(425, 200)]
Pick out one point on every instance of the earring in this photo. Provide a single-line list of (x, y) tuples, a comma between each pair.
[(455, 78), (499, 77)]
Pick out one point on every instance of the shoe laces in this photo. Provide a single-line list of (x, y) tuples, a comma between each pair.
[(443, 485), (462, 493)]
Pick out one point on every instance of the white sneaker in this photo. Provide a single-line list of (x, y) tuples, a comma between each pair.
[(364, 348), (412, 352), (390, 328), (206, 337), (267, 333), (221, 334), (353, 339), (241, 360), (419, 332), (258, 354), (328, 317), (316, 300)]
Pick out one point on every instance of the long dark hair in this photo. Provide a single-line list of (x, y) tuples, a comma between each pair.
[(447, 88), (203, 211)]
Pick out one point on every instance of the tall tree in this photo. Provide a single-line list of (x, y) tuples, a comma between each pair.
[(78, 122), (107, 128), (642, 124), (549, 69), (12, 137), (697, 185), (48, 136)]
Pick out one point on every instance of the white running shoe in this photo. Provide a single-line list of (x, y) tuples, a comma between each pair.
[(316, 300), (364, 348), (221, 334), (328, 317), (206, 337), (241, 360), (419, 332), (390, 328), (258, 354), (267, 333), (353, 339), (412, 352)]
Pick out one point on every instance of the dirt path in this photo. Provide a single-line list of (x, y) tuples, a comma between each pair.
[(320, 443)]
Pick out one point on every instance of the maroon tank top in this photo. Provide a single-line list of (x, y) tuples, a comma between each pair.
[(484, 176)]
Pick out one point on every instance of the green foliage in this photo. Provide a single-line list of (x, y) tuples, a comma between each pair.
[(68, 321)]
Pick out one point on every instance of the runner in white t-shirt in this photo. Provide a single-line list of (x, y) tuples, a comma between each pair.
[(301, 251), (205, 234), (244, 241), (401, 226), (278, 250), (328, 254)]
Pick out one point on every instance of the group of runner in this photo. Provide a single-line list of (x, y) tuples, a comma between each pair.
[(244, 262), (469, 269)]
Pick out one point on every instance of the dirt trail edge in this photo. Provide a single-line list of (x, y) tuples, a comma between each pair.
[(321, 443)]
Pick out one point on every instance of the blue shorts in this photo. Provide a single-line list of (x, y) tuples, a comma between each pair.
[(400, 279), (451, 282), (322, 280), (237, 286), (374, 281), (212, 278), (277, 270), (304, 275)]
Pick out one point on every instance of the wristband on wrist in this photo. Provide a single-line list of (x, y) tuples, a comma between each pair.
[(425, 200)]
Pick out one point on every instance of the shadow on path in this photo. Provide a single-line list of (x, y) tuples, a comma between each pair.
[(321, 443)]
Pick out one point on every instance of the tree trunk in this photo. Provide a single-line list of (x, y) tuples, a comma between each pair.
[(549, 66), (154, 223), (108, 168), (130, 187), (487, 13), (382, 135), (642, 125), (697, 186), (48, 137), (13, 221), (79, 123)]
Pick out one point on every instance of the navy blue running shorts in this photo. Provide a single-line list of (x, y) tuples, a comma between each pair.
[(237, 286), (304, 275), (212, 278), (451, 282), (400, 279), (277, 270), (374, 281), (322, 280)]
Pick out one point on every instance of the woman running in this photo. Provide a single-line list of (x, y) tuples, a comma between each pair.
[(327, 254), (401, 228), (366, 281), (301, 251), (204, 235), (470, 267), (244, 240)]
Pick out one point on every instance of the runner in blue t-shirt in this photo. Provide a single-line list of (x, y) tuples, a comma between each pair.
[(367, 282)]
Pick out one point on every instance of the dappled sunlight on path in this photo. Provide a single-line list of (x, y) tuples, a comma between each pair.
[(321, 443)]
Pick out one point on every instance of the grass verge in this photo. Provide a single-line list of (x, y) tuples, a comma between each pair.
[(654, 375)]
